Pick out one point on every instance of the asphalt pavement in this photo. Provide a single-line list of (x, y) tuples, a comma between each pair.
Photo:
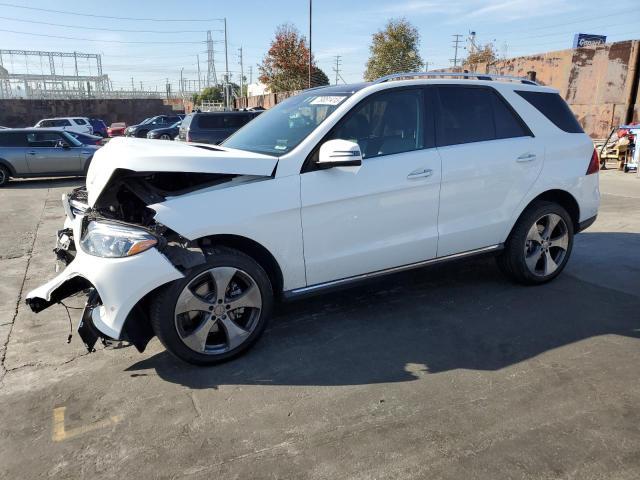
[(448, 372)]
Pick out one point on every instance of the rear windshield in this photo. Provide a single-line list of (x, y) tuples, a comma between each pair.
[(552, 106)]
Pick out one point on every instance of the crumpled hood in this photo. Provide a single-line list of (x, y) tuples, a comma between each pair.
[(145, 155)]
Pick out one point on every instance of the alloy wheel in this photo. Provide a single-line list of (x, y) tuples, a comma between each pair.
[(164, 136), (546, 245), (218, 310)]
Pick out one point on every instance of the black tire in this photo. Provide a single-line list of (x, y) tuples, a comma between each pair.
[(142, 134), (513, 260), (163, 307), (4, 175)]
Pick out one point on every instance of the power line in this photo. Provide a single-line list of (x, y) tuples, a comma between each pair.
[(101, 41), (83, 27), (150, 19), (582, 20)]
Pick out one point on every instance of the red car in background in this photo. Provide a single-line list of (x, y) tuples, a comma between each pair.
[(116, 129)]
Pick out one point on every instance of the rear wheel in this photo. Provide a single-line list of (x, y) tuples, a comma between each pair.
[(539, 245), (216, 312), (4, 176), (165, 136)]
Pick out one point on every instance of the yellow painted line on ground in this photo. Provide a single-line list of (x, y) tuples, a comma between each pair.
[(60, 433)]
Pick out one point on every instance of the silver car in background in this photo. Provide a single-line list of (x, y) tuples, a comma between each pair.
[(32, 152)]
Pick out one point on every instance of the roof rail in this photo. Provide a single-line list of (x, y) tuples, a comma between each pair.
[(478, 76)]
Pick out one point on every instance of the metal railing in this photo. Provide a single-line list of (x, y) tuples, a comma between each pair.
[(477, 76)]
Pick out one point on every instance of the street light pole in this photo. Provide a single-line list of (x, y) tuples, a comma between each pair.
[(310, 10)]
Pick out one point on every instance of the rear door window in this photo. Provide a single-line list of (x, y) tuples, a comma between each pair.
[(80, 121), (13, 139), (472, 114), (210, 122), (44, 139), (236, 121), (552, 106)]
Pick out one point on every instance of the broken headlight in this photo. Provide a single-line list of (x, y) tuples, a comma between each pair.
[(112, 240)]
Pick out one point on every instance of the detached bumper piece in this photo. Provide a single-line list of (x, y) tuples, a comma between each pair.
[(86, 329)]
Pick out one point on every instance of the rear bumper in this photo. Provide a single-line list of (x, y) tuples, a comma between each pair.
[(120, 284)]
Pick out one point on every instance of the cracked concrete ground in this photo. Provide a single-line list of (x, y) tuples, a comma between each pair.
[(449, 372)]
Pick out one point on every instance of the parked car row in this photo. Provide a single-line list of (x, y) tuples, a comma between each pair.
[(64, 146)]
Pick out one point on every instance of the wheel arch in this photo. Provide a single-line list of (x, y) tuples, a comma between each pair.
[(563, 198), (8, 166), (253, 249)]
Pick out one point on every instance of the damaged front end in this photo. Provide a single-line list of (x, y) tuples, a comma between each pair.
[(95, 252)]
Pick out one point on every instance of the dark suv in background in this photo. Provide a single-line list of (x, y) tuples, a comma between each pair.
[(213, 127), (152, 123)]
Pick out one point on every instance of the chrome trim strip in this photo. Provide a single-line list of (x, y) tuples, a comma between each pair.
[(343, 281)]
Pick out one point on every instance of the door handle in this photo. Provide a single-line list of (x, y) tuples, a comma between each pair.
[(420, 173), (526, 157), (31, 152)]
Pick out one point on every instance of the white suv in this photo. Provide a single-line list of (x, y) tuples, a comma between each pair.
[(70, 124), (193, 243)]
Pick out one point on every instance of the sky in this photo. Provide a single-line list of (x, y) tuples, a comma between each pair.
[(159, 38)]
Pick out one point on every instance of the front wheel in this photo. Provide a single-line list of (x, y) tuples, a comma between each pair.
[(216, 312), (539, 245)]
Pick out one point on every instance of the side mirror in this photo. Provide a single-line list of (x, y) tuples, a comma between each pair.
[(339, 153)]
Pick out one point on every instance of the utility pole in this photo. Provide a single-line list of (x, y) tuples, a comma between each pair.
[(199, 84), (141, 85), (337, 69), (241, 75), (181, 81), (250, 74), (133, 88), (310, 58), (456, 45), (426, 66), (226, 68)]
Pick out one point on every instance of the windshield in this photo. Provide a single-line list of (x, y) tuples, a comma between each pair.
[(280, 129)]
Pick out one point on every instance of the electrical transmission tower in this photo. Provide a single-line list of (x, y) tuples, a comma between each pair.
[(212, 79), (456, 45)]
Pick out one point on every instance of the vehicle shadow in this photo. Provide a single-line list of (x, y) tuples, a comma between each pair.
[(53, 182), (459, 316)]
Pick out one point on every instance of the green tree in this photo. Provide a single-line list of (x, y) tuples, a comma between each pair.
[(394, 50), (209, 94), (486, 55), (285, 67)]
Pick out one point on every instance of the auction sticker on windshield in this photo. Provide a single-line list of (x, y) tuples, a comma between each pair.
[(328, 100)]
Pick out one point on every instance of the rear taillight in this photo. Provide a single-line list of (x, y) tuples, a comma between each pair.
[(594, 164)]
